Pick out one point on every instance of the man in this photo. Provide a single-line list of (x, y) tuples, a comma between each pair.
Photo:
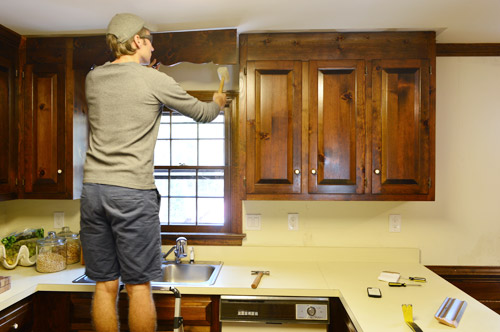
[(120, 228)]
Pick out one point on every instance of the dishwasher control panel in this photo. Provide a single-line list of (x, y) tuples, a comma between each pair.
[(274, 309), (311, 311)]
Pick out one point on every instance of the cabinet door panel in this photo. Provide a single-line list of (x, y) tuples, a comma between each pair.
[(274, 109), (401, 133), (7, 128), (337, 126), (44, 129)]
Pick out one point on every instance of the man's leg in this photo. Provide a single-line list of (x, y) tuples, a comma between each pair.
[(142, 311), (104, 313)]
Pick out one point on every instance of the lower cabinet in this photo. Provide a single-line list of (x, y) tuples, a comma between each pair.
[(339, 318), (70, 311), (18, 317)]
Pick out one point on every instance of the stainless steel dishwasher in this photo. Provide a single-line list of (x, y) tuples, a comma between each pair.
[(274, 313)]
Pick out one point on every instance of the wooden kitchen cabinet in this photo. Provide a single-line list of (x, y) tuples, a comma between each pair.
[(338, 116), (336, 126), (401, 132), (274, 111), (17, 317), (70, 311), (53, 155), (9, 44)]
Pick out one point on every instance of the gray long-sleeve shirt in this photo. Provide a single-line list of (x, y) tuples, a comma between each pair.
[(124, 101)]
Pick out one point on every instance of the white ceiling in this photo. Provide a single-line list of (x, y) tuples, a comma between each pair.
[(455, 21)]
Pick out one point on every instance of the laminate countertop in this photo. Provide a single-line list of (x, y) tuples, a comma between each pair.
[(334, 272)]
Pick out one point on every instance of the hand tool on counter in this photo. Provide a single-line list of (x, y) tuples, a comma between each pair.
[(259, 274), (223, 73), (401, 284), (408, 316)]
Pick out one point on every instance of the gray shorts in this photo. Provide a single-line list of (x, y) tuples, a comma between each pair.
[(120, 233)]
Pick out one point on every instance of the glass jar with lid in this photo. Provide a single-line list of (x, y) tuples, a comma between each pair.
[(51, 253), (73, 246)]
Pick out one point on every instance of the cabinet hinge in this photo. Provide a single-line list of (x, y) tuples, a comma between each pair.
[(245, 70), (366, 70), (22, 74), (429, 182), (17, 73), (430, 70)]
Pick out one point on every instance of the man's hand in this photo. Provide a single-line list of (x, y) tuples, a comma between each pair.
[(154, 65), (220, 99)]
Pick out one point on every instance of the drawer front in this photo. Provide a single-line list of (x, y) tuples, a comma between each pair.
[(18, 317)]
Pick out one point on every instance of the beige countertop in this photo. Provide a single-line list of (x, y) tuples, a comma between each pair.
[(329, 273)]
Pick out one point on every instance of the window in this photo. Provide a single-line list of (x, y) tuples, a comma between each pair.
[(193, 176)]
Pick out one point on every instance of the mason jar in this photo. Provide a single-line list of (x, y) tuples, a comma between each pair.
[(51, 253)]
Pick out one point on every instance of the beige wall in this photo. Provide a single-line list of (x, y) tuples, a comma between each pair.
[(462, 227)]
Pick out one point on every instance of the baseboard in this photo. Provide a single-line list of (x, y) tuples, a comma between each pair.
[(480, 282)]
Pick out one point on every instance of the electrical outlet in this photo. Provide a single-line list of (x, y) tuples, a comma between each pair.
[(253, 222), (293, 221), (58, 219), (394, 223)]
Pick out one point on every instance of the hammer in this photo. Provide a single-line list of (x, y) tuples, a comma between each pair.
[(223, 73), (259, 276)]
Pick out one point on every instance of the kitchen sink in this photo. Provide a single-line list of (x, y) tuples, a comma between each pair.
[(198, 273)]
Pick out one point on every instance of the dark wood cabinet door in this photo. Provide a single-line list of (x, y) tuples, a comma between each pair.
[(8, 132), (401, 142), (274, 114), (336, 126), (45, 130)]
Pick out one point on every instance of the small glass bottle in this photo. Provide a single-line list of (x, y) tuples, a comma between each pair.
[(51, 253), (73, 246)]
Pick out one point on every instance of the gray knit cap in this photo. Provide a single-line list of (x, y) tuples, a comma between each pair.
[(124, 26)]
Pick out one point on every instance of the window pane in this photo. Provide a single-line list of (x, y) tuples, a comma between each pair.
[(211, 130), (184, 153), (211, 183), (184, 130), (211, 211), (182, 211), (164, 210), (211, 152), (162, 153), (183, 183), (161, 181), (164, 132)]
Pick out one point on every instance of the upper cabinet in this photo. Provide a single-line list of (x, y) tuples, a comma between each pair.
[(401, 127), (9, 73), (331, 116), (43, 111), (53, 159)]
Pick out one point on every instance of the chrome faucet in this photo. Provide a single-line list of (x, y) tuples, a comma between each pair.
[(179, 249)]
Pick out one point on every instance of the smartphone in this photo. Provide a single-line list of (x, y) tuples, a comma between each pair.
[(374, 292)]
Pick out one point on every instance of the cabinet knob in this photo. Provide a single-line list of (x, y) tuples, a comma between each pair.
[(297, 171), (59, 171), (313, 172), (15, 326), (376, 171)]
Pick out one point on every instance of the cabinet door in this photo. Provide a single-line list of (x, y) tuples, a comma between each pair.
[(274, 111), (337, 126), (7, 129), (400, 127), (45, 129)]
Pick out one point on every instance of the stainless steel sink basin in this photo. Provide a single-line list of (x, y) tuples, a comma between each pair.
[(198, 273)]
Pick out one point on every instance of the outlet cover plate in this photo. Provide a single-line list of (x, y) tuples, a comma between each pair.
[(253, 222)]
